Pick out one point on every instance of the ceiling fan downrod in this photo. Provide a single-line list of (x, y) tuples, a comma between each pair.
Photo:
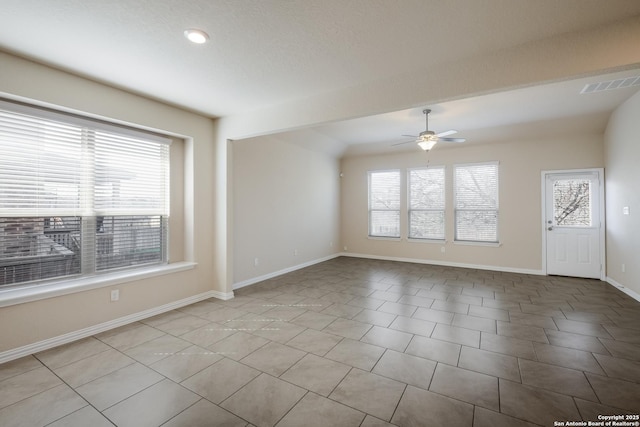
[(426, 112)]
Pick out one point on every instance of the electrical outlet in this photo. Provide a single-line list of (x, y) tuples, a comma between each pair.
[(623, 268), (115, 295), (295, 252), (625, 210), (442, 249), (256, 261), (345, 248)]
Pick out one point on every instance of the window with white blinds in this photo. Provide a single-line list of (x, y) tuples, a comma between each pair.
[(384, 203), (476, 202), (78, 196), (426, 203)]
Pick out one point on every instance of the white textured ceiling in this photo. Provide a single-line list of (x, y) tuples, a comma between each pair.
[(264, 53), (551, 109)]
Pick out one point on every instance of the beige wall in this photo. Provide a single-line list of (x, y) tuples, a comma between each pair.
[(561, 57), (286, 203), (31, 322), (520, 233), (622, 152)]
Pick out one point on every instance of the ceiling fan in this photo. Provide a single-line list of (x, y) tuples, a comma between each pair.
[(428, 139)]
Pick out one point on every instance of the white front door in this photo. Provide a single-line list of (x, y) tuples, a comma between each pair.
[(573, 224)]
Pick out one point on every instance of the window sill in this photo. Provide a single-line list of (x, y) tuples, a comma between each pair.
[(432, 241), (392, 239), (465, 243), (35, 292)]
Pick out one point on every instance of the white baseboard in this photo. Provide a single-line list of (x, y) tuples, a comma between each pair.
[(220, 295), (26, 350), (633, 294), (447, 263), (283, 271)]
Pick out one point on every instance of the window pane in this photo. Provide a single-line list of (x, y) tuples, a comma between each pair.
[(476, 186), (572, 203), (40, 166), (38, 248), (384, 190), (476, 202), (122, 184), (477, 226), (426, 203), (426, 224), (124, 241), (384, 204), (384, 223), (426, 188)]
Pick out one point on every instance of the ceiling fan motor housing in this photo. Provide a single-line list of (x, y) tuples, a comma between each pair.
[(427, 133)]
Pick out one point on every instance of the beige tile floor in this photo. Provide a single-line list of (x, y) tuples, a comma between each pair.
[(350, 342)]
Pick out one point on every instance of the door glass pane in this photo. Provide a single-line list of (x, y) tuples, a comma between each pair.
[(572, 202)]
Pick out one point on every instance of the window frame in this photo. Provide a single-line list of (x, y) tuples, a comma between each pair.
[(88, 278), (443, 168), (456, 240), (371, 210)]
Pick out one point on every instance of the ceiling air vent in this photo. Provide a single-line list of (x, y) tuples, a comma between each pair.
[(611, 84)]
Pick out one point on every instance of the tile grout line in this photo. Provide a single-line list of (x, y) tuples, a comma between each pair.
[(76, 393)]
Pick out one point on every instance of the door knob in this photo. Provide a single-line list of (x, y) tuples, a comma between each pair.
[(550, 228)]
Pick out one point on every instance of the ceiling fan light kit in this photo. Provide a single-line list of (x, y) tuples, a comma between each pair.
[(427, 140)]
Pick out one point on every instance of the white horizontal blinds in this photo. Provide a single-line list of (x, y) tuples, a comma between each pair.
[(78, 197), (40, 204), (426, 203), (131, 200), (476, 202), (131, 176), (384, 203), (40, 166)]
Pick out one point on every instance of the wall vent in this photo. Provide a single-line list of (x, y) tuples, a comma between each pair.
[(611, 84)]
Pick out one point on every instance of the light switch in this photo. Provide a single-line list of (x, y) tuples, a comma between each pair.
[(625, 210)]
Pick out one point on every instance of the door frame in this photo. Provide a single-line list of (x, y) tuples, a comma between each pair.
[(543, 225)]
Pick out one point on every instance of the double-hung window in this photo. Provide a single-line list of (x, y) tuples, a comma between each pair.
[(78, 196), (384, 203), (426, 203), (476, 202)]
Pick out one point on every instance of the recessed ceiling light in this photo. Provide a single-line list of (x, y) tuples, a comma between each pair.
[(196, 36)]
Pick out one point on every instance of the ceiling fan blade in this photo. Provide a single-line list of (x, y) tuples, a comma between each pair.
[(401, 143), (452, 139), (410, 136), (446, 133)]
